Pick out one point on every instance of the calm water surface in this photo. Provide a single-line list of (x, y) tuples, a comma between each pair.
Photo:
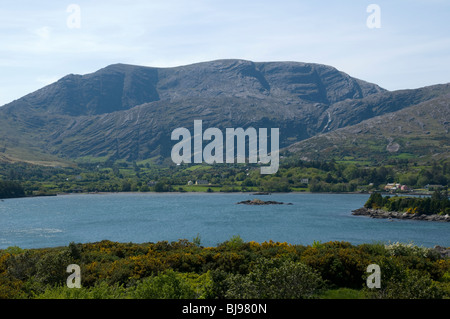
[(57, 221)]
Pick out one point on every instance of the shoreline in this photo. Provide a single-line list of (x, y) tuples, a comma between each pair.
[(252, 192), (381, 214), (256, 193)]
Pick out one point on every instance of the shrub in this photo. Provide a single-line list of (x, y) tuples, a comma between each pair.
[(101, 290), (339, 263), (22, 266), (51, 267), (10, 289), (167, 285), (411, 284), (401, 249), (275, 279)]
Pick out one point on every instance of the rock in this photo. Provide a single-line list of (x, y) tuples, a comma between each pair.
[(360, 212), (378, 213), (393, 147), (261, 202)]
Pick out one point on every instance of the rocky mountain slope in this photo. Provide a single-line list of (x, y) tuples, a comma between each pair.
[(128, 112), (418, 131)]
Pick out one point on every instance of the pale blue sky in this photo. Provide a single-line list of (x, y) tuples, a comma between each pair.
[(37, 47)]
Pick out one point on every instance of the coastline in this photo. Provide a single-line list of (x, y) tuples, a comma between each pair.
[(378, 213), (254, 192)]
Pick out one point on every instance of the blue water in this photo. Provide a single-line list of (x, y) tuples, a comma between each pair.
[(151, 217)]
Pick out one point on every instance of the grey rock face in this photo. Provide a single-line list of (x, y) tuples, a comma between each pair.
[(128, 112)]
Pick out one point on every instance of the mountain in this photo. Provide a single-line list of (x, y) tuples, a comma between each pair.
[(121, 87), (420, 131), (128, 112)]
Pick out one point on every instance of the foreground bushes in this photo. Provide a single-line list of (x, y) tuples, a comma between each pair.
[(233, 269), (275, 279)]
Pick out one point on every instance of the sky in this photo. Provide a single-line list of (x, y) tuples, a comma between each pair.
[(397, 44)]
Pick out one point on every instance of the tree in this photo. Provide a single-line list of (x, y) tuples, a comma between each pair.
[(275, 279), (10, 189), (375, 201), (162, 187)]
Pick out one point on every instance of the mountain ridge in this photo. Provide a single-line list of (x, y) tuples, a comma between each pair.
[(127, 111), (419, 131), (123, 86)]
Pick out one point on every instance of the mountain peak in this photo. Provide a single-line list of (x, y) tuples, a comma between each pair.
[(119, 87), (128, 111)]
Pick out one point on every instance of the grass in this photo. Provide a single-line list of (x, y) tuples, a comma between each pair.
[(196, 188), (150, 161), (198, 167), (91, 159), (403, 156)]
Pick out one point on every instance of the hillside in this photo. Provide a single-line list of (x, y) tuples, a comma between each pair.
[(419, 131), (128, 112)]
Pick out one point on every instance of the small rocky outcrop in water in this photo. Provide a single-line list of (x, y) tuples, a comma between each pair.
[(378, 213), (262, 202)]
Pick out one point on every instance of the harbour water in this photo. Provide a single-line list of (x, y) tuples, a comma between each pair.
[(151, 217)]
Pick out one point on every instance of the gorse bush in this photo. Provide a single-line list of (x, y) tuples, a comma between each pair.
[(339, 263), (233, 269)]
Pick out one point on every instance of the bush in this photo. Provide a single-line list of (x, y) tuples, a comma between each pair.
[(171, 285), (101, 290), (10, 289), (274, 279), (401, 249), (22, 266), (411, 284), (339, 263), (233, 269), (51, 267)]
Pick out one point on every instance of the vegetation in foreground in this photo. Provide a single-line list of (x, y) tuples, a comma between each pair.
[(233, 269)]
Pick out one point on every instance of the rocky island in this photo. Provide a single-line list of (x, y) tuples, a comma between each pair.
[(378, 213), (262, 202)]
